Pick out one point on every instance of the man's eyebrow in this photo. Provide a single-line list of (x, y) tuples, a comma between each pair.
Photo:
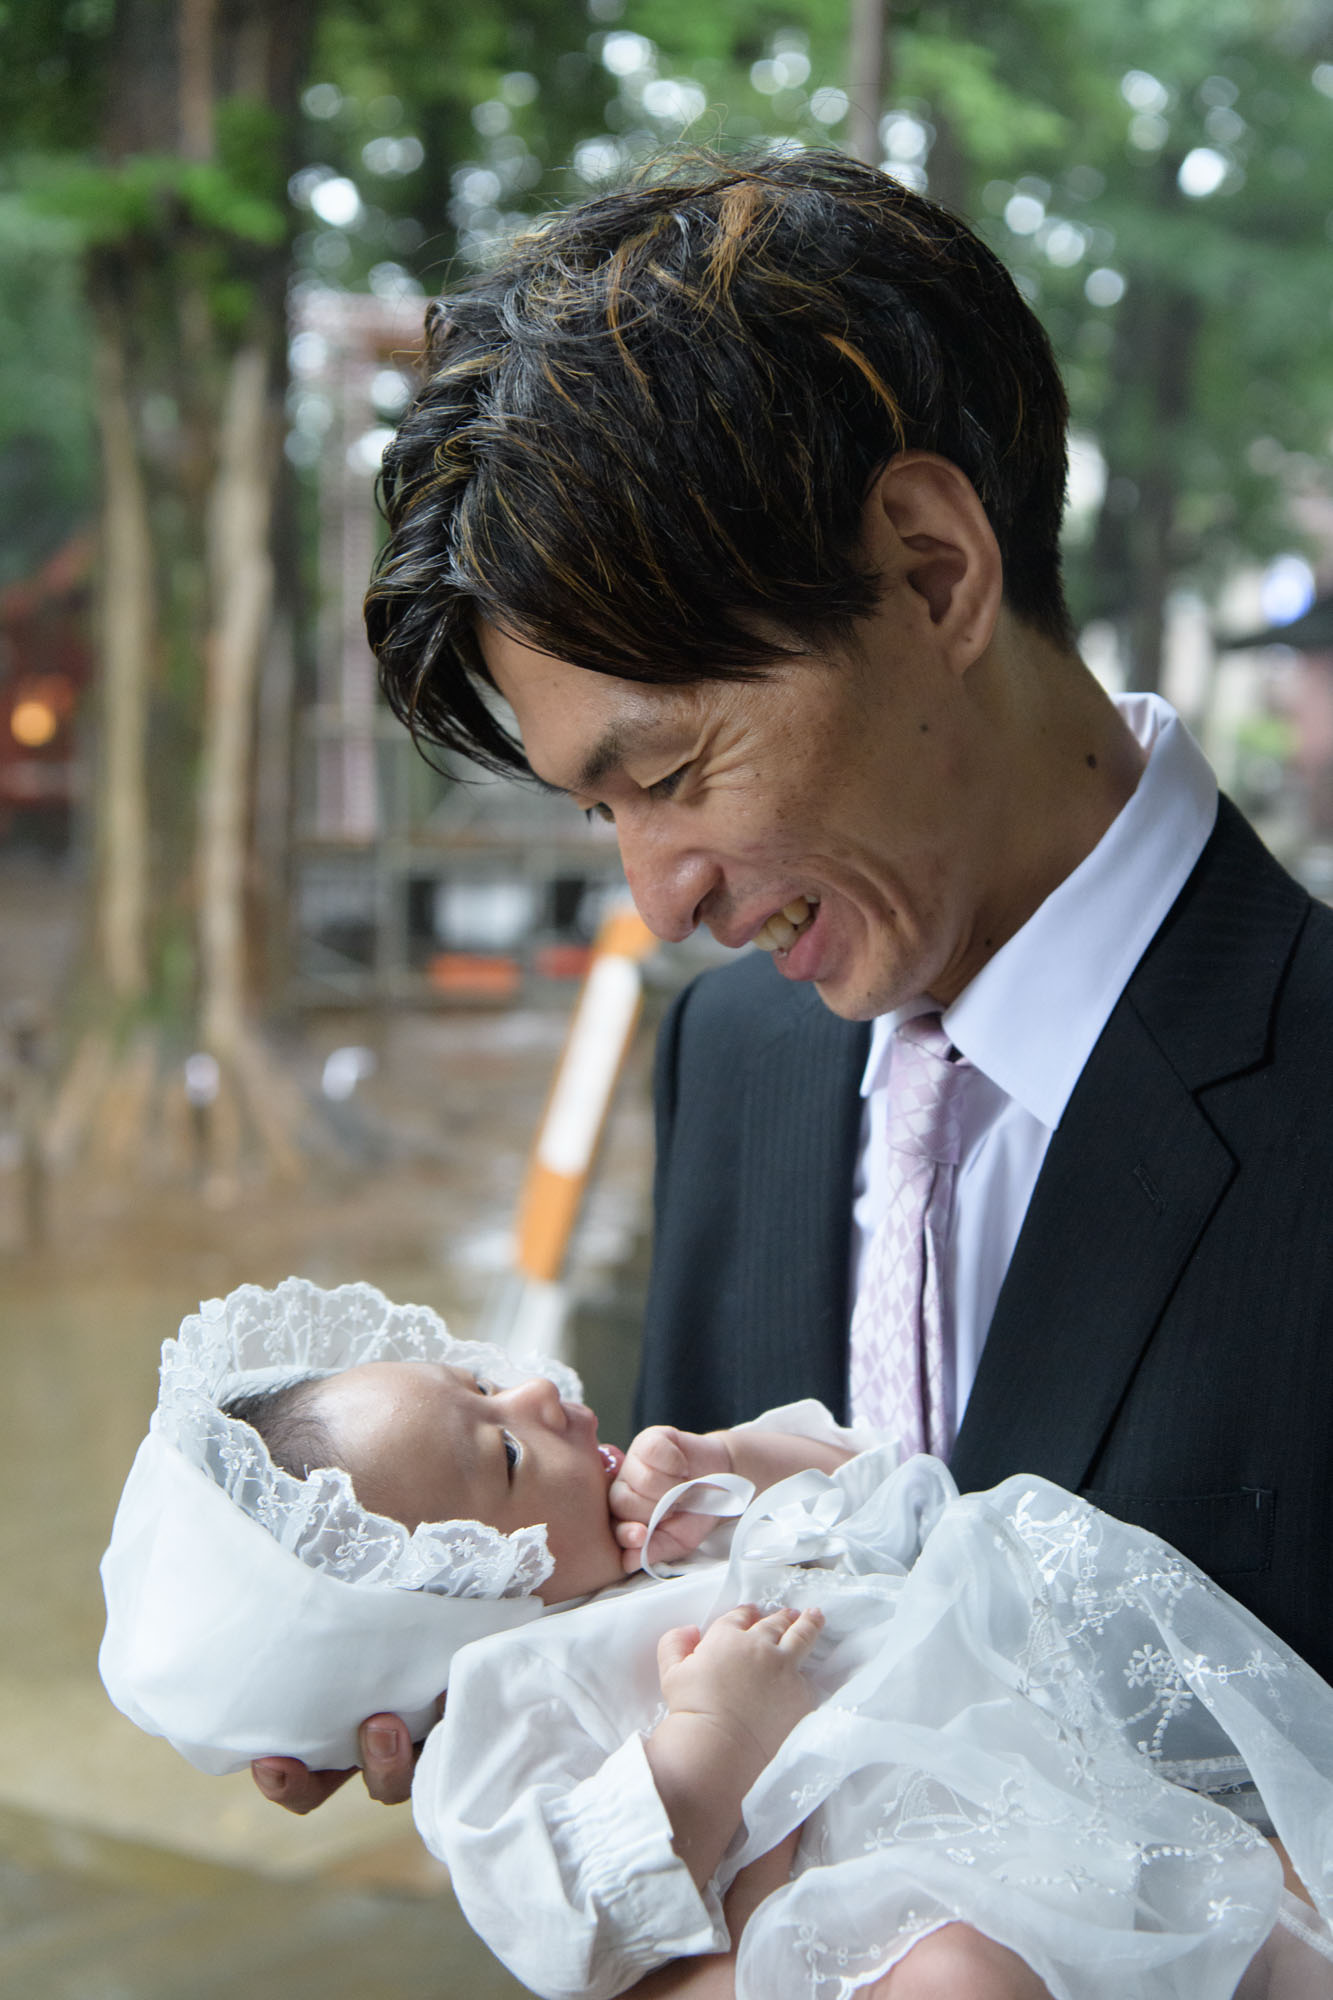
[(606, 753), (619, 741)]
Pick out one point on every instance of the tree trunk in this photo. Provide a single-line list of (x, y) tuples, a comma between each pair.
[(127, 644), (1134, 550), (197, 20), (866, 77), (240, 573), (190, 314)]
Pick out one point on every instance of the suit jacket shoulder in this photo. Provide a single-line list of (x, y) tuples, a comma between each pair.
[(1164, 1338), (758, 1113)]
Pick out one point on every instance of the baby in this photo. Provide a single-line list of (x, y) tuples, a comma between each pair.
[(907, 1711)]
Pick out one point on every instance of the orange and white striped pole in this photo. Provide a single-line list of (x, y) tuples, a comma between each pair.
[(600, 1032)]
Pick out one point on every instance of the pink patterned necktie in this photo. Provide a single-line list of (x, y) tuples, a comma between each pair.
[(897, 1375)]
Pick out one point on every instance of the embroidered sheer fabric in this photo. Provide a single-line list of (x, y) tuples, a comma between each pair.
[(250, 1612), (1030, 1718), (257, 1339)]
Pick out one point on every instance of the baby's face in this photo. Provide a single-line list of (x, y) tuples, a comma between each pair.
[(427, 1442)]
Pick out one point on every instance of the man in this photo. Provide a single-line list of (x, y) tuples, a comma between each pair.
[(744, 491)]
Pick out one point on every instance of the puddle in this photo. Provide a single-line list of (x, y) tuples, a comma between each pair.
[(110, 1838)]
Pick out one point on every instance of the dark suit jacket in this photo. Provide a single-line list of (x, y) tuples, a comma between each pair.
[(1163, 1342)]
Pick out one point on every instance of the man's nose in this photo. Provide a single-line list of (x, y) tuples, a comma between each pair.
[(669, 884)]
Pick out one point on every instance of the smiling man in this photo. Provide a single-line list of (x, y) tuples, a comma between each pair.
[(743, 489)]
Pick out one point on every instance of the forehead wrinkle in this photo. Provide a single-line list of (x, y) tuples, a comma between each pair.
[(619, 740)]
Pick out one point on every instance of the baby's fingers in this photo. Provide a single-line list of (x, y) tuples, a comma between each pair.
[(659, 1452), (801, 1633), (677, 1536), (654, 1463), (631, 1536), (675, 1646)]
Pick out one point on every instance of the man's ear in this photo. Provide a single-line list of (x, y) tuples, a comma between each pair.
[(925, 528)]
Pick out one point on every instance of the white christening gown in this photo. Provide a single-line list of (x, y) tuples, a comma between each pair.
[(1030, 1718)]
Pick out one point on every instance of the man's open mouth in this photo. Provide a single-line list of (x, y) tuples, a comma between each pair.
[(780, 931)]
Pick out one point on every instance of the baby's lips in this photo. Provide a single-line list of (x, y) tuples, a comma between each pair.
[(612, 1458)]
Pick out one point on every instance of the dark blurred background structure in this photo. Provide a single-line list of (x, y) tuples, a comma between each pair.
[(275, 994)]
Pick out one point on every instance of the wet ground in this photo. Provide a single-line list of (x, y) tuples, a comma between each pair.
[(125, 1875)]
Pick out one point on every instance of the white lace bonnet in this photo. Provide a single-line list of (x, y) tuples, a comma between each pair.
[(251, 1613)]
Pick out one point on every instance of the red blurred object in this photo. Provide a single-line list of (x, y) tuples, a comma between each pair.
[(562, 961), (45, 667), (471, 976)]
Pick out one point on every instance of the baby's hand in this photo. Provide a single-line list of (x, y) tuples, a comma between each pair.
[(732, 1695), (742, 1679), (658, 1459)]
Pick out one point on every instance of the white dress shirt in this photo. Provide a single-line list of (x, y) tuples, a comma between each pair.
[(1028, 1022)]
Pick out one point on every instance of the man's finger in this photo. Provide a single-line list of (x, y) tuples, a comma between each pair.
[(286, 1782), (388, 1759)]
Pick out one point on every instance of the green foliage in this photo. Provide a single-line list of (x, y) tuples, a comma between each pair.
[(958, 79), (251, 147), (47, 436), (498, 111), (147, 195), (52, 56)]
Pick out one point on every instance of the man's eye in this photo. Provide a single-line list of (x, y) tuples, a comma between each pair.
[(513, 1451), (665, 787), (599, 811)]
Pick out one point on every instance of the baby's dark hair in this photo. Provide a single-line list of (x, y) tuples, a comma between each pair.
[(299, 1441)]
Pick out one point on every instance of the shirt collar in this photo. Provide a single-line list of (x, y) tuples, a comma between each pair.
[(1031, 1016)]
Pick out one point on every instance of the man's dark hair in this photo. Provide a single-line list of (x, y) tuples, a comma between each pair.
[(644, 441), (298, 1439)]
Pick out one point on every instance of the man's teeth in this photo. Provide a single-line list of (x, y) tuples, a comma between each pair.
[(783, 928)]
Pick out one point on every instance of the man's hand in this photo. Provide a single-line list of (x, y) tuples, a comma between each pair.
[(389, 1759), (732, 1695), (658, 1459)]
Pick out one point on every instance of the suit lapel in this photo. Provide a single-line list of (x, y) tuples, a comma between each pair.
[(1130, 1179), (1133, 1173)]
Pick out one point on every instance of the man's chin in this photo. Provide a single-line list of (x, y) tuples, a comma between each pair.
[(849, 1002), (862, 992)]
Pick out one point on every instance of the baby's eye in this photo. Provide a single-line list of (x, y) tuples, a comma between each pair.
[(484, 1387), (513, 1451)]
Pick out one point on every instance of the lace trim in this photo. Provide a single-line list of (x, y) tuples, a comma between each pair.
[(254, 1339)]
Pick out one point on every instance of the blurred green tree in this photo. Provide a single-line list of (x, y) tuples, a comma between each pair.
[(1160, 179), (154, 138), (1170, 219)]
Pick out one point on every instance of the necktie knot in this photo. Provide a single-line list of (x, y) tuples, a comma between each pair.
[(924, 1116)]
